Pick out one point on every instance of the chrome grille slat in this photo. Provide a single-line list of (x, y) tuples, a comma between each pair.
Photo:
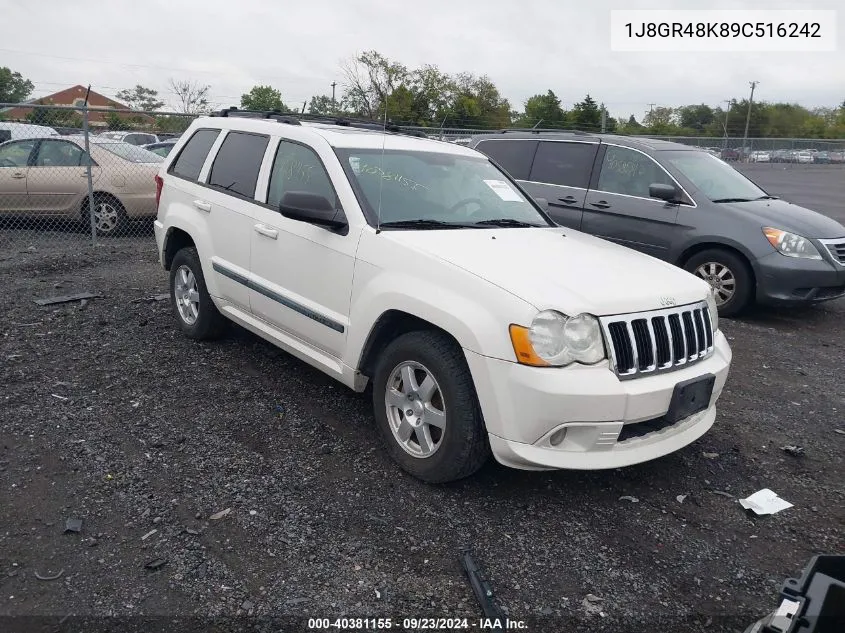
[(638, 343), (836, 248)]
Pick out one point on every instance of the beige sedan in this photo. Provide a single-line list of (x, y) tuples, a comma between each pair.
[(47, 177)]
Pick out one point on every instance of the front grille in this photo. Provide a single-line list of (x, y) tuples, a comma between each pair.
[(837, 249), (658, 341)]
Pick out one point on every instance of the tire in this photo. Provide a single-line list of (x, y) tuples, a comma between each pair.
[(196, 313), (459, 445), (109, 215), (712, 263)]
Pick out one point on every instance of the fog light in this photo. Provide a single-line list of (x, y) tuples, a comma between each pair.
[(557, 437)]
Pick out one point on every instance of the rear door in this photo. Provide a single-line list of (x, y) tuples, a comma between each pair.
[(14, 165), (58, 179), (560, 173), (618, 206)]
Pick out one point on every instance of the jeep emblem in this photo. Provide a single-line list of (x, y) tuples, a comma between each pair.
[(667, 301)]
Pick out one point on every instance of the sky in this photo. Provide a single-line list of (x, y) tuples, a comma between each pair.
[(525, 46)]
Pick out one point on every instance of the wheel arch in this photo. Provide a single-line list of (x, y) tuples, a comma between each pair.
[(733, 248), (174, 240)]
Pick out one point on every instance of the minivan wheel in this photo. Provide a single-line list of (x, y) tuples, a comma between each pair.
[(195, 311), (427, 410), (728, 275)]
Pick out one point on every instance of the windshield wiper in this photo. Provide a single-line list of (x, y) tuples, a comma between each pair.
[(767, 198), (732, 200), (423, 224), (507, 222)]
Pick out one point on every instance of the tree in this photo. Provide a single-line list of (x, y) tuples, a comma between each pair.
[(370, 78), (545, 110), (193, 97), (13, 87), (140, 98), (172, 124), (263, 98), (116, 122), (54, 117), (322, 104), (697, 117), (660, 120), (586, 115), (477, 103)]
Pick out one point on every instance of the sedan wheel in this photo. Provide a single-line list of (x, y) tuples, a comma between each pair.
[(720, 278), (106, 217), (415, 409)]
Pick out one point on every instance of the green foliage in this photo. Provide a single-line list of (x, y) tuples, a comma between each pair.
[(322, 104), (586, 115), (542, 111), (263, 98), (54, 117), (116, 122), (14, 88), (172, 124), (140, 98)]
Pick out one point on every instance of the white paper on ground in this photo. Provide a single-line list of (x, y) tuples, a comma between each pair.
[(765, 501), (503, 190)]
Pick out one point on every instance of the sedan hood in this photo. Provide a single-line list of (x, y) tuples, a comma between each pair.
[(560, 269), (780, 214)]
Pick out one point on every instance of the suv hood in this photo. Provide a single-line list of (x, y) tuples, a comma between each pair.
[(780, 214), (560, 269)]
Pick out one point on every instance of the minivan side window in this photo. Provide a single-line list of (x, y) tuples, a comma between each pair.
[(189, 163), (630, 172), (238, 162), (514, 155), (564, 163), (298, 168)]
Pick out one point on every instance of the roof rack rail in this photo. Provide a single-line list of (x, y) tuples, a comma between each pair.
[(538, 130), (293, 118)]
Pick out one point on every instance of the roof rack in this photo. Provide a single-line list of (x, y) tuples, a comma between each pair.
[(538, 130), (297, 118)]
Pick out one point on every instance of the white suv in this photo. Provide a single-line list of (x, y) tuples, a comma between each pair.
[(419, 267)]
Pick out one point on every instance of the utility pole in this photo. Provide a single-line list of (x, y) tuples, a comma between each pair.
[(603, 119), (753, 85), (727, 113), (334, 103), (650, 112)]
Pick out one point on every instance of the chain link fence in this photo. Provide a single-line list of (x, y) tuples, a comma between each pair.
[(71, 175)]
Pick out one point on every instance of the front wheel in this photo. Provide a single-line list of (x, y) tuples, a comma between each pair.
[(109, 215), (729, 276), (427, 410)]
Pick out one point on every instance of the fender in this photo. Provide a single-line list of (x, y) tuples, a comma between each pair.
[(179, 217)]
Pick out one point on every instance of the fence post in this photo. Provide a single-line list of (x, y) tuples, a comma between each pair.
[(88, 161)]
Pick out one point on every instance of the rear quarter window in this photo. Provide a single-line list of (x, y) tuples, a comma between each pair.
[(189, 162), (515, 156), (238, 162)]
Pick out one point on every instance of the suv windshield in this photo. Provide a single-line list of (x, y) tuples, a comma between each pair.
[(713, 177), (132, 153), (428, 189)]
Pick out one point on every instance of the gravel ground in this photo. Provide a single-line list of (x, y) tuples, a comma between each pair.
[(109, 415)]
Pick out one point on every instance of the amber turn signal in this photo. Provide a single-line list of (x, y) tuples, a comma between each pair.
[(521, 342)]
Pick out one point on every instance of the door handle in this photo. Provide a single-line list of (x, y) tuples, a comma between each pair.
[(568, 200), (202, 205), (266, 231), (18, 175), (601, 204)]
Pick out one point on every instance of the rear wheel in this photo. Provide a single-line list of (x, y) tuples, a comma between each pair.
[(427, 410), (195, 311), (728, 274), (109, 215)]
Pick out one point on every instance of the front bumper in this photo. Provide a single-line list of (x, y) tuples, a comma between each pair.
[(523, 406), (787, 281)]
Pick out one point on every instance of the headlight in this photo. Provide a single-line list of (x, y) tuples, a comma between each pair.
[(790, 244), (556, 339), (714, 311)]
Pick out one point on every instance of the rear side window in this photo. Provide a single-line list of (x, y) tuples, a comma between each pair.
[(564, 163), (515, 155), (297, 168), (236, 165), (192, 157)]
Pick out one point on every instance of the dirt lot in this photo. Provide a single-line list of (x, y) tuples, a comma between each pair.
[(109, 415)]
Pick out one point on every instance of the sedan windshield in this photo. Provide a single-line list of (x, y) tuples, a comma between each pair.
[(429, 190), (132, 153), (713, 177)]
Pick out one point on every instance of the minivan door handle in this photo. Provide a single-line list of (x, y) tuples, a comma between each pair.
[(569, 200), (266, 231), (202, 205), (601, 204)]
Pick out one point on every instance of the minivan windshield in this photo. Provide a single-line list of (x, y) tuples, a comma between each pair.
[(713, 177), (422, 190)]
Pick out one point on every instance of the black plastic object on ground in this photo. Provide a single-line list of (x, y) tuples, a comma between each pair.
[(481, 587), (813, 603)]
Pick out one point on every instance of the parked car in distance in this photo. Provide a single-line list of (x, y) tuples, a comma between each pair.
[(162, 148), (780, 156), (684, 207), (730, 154), (47, 177), (822, 158), (133, 138), (760, 157), (421, 268), (836, 158), (10, 131), (804, 157)]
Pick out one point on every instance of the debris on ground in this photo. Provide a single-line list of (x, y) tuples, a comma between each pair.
[(592, 605), (840, 431), (481, 587), (629, 498), (764, 502), (73, 525), (156, 564), (246, 605), (148, 535), (219, 515), (710, 455), (722, 493), (58, 397), (792, 449), (152, 298), (55, 576), (49, 301), (681, 498)]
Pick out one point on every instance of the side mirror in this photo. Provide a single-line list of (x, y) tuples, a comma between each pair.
[(663, 192), (544, 204), (311, 208)]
